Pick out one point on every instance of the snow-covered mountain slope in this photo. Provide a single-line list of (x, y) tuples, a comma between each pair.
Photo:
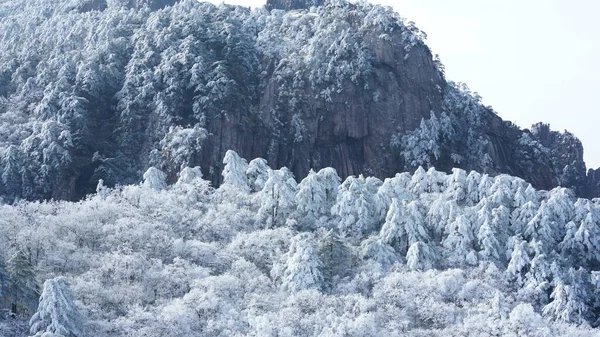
[(428, 254), (99, 89)]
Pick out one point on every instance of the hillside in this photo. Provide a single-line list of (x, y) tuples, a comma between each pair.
[(427, 254), (94, 90)]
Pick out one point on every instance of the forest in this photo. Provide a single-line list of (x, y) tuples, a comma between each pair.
[(427, 254)]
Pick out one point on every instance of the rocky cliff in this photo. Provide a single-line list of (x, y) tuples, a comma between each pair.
[(352, 86)]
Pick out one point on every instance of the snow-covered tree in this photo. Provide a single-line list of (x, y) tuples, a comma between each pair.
[(277, 198), (355, 209), (57, 312), (459, 240), (155, 179), (373, 248), (587, 237), (331, 180), (457, 185), (473, 180), (436, 180), (542, 226), (420, 256), (234, 171), (521, 216), (418, 183), (257, 174), (485, 186), (519, 261), (440, 214), (311, 200), (488, 242), (336, 257), (24, 288), (566, 304), (303, 267), (391, 188)]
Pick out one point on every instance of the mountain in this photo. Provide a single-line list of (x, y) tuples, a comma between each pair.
[(427, 254), (97, 89)]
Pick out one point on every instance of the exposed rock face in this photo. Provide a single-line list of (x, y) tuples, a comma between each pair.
[(346, 85)]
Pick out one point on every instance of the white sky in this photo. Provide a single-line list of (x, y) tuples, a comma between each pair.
[(531, 60)]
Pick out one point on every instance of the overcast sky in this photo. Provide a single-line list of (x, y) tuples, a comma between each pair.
[(531, 60)]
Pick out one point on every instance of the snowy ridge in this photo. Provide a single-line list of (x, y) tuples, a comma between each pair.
[(427, 254)]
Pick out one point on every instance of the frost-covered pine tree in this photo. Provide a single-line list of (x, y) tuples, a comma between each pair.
[(355, 209), (485, 186), (331, 181), (519, 261), (57, 312), (436, 180), (413, 223), (393, 231), (457, 185), (311, 200), (488, 242), (391, 188), (440, 214), (234, 171), (587, 237), (277, 198), (420, 256), (154, 179), (501, 191), (418, 183), (257, 174), (303, 266), (569, 247), (541, 227), (473, 180), (566, 306), (521, 216), (459, 241), (24, 288), (4, 280), (373, 248), (335, 256)]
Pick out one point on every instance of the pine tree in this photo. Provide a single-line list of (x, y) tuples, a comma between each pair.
[(485, 186), (418, 183), (391, 188), (257, 174), (457, 185), (155, 179), (519, 261), (24, 290), (331, 180), (541, 226), (355, 208), (57, 312), (277, 198), (335, 256), (587, 237), (439, 216), (303, 266), (234, 171), (311, 200), (567, 304), (436, 180), (521, 216), (473, 180), (373, 248), (488, 242), (419, 256)]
